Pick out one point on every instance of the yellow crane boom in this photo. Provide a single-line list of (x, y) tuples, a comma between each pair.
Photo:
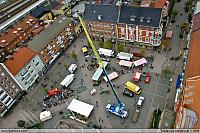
[(91, 44)]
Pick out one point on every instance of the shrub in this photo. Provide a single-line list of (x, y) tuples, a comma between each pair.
[(20, 123)]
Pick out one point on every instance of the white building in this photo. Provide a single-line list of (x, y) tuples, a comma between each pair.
[(26, 66)]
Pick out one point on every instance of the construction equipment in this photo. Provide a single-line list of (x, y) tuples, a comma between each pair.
[(112, 108)]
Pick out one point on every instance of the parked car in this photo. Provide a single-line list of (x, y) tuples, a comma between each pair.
[(147, 78), (128, 93), (140, 101), (136, 54)]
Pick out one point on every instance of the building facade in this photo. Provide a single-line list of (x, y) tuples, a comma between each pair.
[(25, 66), (125, 23), (16, 36), (50, 43), (10, 89)]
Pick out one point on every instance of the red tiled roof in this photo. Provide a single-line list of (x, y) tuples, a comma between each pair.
[(193, 65), (19, 28), (196, 22), (159, 3), (19, 60)]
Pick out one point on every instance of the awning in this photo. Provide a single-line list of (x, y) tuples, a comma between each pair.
[(84, 49), (178, 82), (140, 62), (80, 107), (125, 63)]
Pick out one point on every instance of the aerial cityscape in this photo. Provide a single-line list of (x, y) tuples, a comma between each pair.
[(130, 65)]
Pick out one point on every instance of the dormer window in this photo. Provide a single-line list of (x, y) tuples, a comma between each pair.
[(99, 17), (3, 41), (132, 18), (141, 19), (148, 20)]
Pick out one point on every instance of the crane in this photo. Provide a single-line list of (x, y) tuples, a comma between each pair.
[(115, 109)]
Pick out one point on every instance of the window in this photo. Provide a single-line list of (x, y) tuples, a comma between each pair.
[(32, 71), (6, 86), (7, 100), (16, 90), (1, 105), (6, 78), (12, 94), (4, 97), (140, 38), (13, 86), (147, 39), (54, 46), (1, 92), (37, 64), (41, 52), (9, 90), (33, 60), (29, 67), (2, 82), (10, 82)]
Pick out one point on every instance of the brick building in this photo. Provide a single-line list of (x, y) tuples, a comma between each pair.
[(124, 23), (9, 89), (17, 35), (52, 41)]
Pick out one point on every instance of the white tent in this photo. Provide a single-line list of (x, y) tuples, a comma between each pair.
[(45, 115), (72, 68), (111, 76), (140, 62), (124, 56), (80, 107), (125, 63), (98, 72)]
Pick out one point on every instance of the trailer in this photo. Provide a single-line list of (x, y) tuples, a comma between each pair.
[(111, 76), (106, 52), (68, 80), (124, 56)]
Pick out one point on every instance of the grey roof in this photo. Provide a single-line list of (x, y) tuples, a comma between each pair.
[(50, 32), (109, 13), (153, 13)]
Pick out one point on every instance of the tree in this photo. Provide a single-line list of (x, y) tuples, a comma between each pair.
[(142, 50), (45, 90), (20, 123), (108, 44), (166, 71), (120, 47), (188, 5), (100, 44), (184, 26), (165, 43), (66, 66), (74, 56), (174, 14)]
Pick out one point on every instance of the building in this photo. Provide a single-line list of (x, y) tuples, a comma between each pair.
[(124, 23), (10, 89), (25, 66), (17, 35), (42, 13), (53, 40), (164, 4), (187, 107)]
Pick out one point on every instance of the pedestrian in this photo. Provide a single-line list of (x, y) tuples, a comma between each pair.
[(102, 120), (99, 119)]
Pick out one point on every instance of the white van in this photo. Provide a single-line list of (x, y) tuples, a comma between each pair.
[(140, 101), (68, 80), (106, 52), (72, 68)]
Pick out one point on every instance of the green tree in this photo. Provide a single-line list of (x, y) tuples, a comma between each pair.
[(45, 90), (188, 5), (66, 66), (74, 56), (166, 71), (120, 47), (165, 43), (108, 44), (100, 44), (174, 13), (20, 123), (184, 26)]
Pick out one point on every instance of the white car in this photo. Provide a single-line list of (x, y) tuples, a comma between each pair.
[(140, 101)]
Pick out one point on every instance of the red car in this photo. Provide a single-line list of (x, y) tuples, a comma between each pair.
[(53, 92), (136, 54), (147, 78), (136, 76)]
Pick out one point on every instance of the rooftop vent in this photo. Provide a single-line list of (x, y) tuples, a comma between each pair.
[(99, 17), (94, 11), (27, 22), (30, 20), (3, 41), (141, 19), (19, 29), (15, 32), (148, 19), (132, 17)]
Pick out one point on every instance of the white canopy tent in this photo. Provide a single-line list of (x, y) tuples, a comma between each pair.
[(125, 63), (72, 68), (98, 72), (111, 76), (80, 107), (45, 115), (124, 56), (140, 62)]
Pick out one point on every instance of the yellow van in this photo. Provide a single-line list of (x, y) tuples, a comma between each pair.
[(132, 87)]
